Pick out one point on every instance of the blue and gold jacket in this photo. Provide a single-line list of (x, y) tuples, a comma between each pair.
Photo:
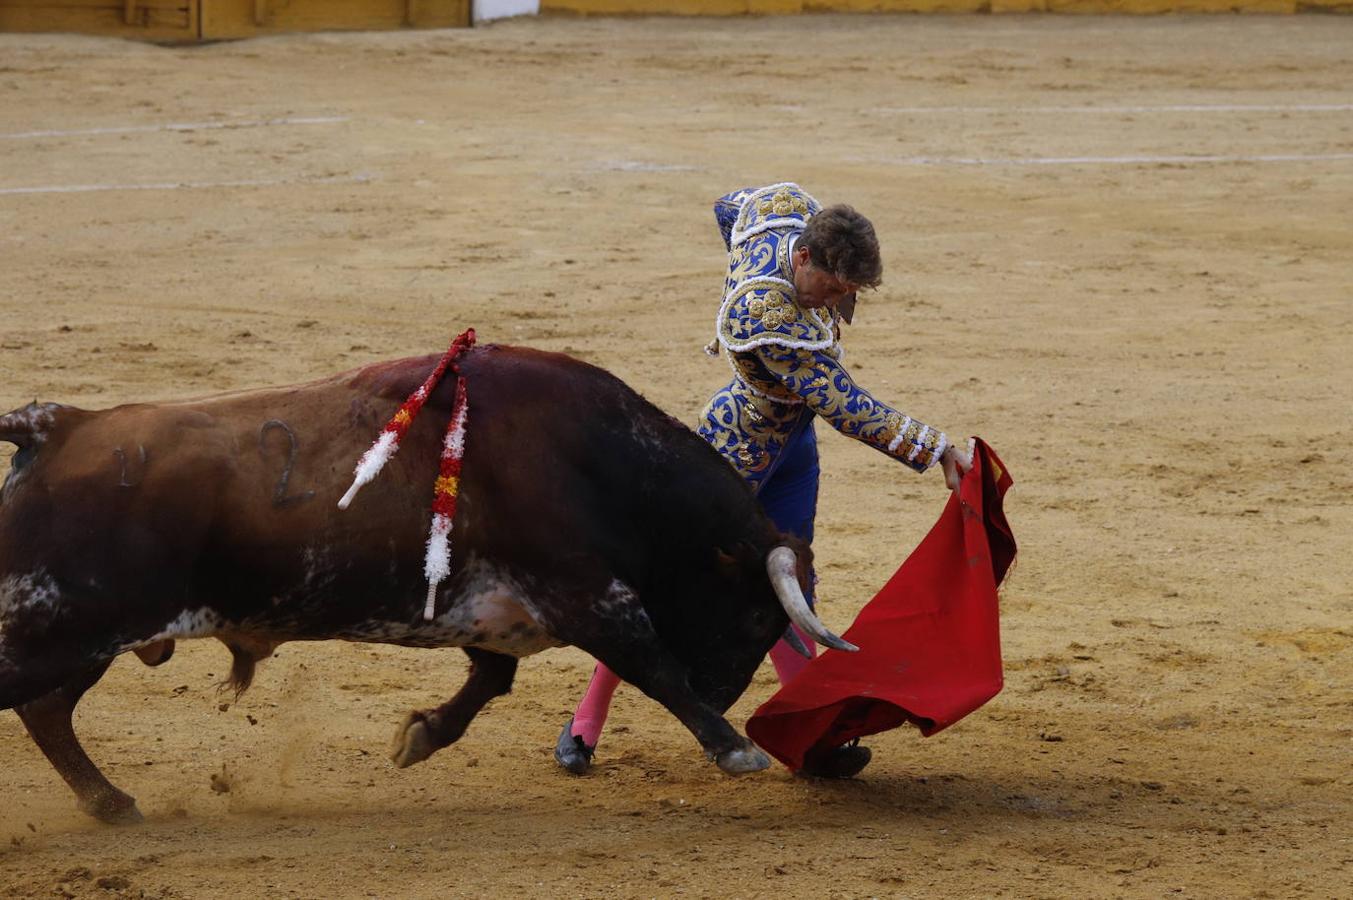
[(786, 359)]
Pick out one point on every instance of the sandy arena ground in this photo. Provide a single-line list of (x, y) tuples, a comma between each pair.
[(1159, 348)]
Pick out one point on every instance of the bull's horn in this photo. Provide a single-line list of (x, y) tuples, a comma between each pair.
[(791, 637), (781, 566), (26, 426)]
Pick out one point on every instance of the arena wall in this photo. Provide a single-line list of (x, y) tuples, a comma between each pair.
[(782, 7), (197, 20)]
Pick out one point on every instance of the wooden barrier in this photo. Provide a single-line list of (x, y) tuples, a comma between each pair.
[(790, 7), (205, 20), (199, 20), (156, 20)]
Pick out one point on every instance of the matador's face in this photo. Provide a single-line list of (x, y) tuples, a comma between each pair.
[(816, 288)]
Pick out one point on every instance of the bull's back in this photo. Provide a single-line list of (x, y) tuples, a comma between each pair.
[(232, 499), (157, 499), (577, 462)]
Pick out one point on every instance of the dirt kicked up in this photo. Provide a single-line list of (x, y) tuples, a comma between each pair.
[(1116, 249)]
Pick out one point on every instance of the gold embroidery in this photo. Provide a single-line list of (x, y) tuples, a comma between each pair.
[(779, 318), (753, 460), (748, 260), (782, 204), (752, 377), (751, 418)]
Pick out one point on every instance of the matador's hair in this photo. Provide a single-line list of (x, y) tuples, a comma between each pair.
[(842, 242)]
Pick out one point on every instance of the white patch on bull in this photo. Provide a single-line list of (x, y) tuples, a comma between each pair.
[(498, 616), (492, 611), (621, 604), (191, 623), (645, 433), (312, 559), (34, 594), (619, 597), (320, 570)]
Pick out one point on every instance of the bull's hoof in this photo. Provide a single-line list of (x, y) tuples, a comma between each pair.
[(112, 809), (741, 760), (413, 741)]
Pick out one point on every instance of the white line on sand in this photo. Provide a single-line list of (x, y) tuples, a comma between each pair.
[(1190, 108), (1099, 160), (175, 126), (180, 185), (634, 165)]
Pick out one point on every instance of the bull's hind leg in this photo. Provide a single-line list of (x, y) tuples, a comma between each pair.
[(48, 720), (426, 731)]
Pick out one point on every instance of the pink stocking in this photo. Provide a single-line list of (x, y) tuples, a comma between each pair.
[(596, 703), (787, 663)]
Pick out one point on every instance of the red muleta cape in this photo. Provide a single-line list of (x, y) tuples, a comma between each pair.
[(930, 646)]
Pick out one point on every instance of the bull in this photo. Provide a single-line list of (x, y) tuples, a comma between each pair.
[(587, 517)]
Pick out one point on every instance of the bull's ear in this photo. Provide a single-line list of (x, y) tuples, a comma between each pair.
[(727, 563)]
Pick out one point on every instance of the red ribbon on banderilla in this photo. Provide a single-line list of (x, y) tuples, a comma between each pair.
[(437, 563)]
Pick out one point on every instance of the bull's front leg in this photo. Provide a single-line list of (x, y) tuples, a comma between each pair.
[(624, 639), (662, 677), (426, 731)]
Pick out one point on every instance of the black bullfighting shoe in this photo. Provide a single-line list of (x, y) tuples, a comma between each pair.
[(845, 761), (572, 752)]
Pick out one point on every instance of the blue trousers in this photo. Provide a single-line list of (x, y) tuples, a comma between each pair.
[(789, 493)]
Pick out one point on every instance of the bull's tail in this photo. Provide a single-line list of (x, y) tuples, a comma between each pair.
[(27, 426)]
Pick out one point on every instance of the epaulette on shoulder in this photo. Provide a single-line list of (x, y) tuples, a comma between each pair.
[(784, 205), (761, 312)]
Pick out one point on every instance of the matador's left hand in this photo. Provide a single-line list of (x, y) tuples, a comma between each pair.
[(956, 463)]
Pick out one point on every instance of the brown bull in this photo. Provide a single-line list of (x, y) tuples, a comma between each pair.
[(587, 517)]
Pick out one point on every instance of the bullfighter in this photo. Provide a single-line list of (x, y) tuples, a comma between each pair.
[(794, 271)]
